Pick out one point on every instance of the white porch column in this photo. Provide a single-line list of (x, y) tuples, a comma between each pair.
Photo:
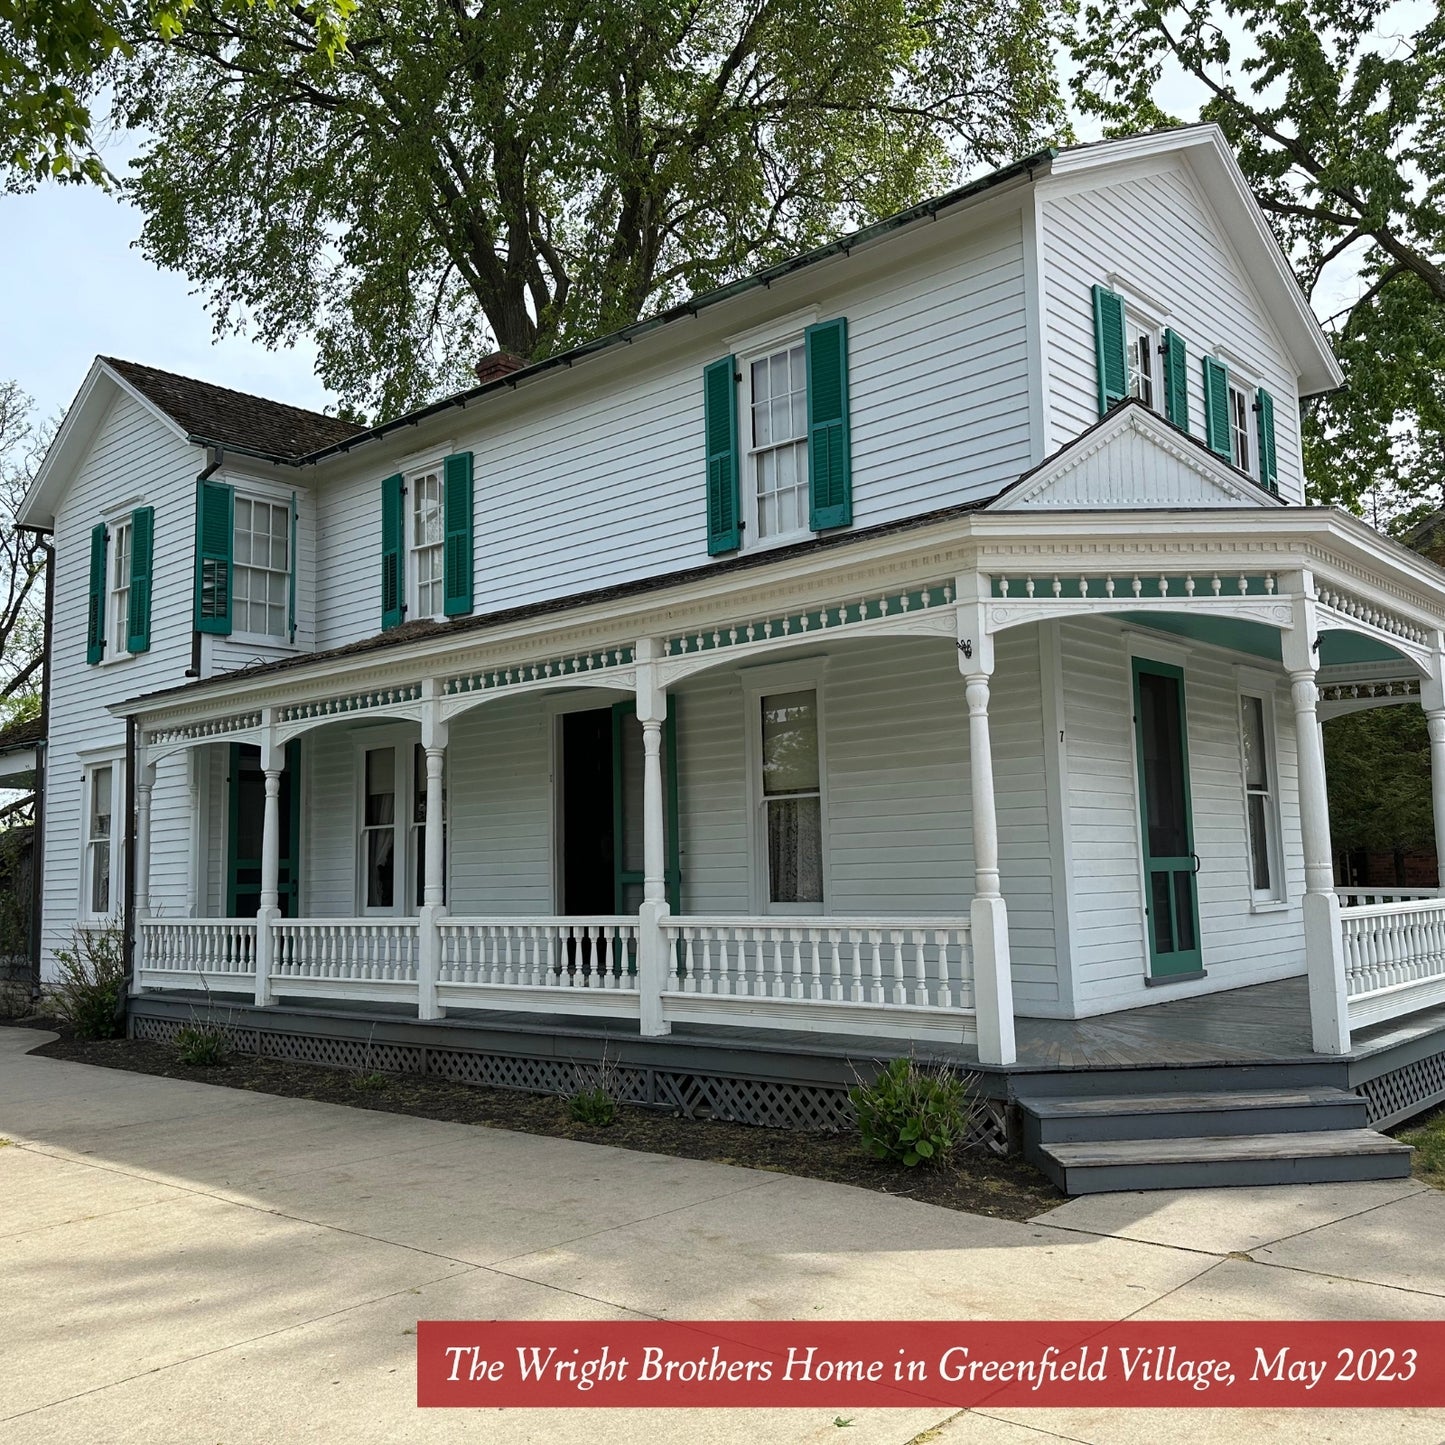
[(433, 904), (988, 915), (1324, 948), (273, 759), (653, 956), (1432, 699), (145, 778)]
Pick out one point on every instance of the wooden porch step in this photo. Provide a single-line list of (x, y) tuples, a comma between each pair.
[(1311, 1157), (1186, 1115)]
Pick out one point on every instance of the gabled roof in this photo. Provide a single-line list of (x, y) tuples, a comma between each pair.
[(1132, 459), (217, 416), (22, 734)]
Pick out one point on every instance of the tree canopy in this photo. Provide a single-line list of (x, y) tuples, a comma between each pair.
[(1339, 124), (53, 54), (533, 173)]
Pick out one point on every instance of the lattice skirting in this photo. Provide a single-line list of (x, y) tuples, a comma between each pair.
[(1395, 1095), (694, 1094)]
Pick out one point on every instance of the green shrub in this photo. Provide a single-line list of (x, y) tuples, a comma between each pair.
[(92, 981), (914, 1116), (368, 1083), (593, 1106), (201, 1044)]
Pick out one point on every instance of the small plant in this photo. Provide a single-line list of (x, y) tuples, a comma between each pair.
[(92, 981), (915, 1116), (201, 1044), (593, 1106), (368, 1083)]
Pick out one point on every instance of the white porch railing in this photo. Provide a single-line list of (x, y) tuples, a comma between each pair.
[(911, 977), (1364, 897), (192, 952), (561, 953), (354, 950), (1394, 957)]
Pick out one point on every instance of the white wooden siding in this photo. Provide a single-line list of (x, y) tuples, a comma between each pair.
[(1156, 234), (1240, 945), (133, 460), (603, 481)]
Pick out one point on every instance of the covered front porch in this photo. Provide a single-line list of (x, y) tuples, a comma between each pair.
[(961, 667)]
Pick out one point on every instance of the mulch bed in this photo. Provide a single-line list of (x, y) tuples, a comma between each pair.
[(976, 1182)]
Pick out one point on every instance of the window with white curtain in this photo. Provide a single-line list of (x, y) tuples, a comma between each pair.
[(98, 883), (791, 800), (1261, 799)]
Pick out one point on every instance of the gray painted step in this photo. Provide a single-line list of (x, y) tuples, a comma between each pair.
[(1160, 1116), (1191, 1079), (1327, 1156)]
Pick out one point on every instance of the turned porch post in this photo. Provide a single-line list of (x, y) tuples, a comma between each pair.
[(145, 778), (988, 914), (1432, 699), (1324, 948), (652, 951), (273, 759), (433, 902)]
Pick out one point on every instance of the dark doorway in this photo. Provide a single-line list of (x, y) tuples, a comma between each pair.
[(588, 856), (246, 814)]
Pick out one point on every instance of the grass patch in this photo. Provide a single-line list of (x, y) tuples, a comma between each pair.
[(1429, 1141)]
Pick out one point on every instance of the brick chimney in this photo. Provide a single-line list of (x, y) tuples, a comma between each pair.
[(497, 364)]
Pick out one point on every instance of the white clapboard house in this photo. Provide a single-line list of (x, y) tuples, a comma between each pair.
[(920, 646)]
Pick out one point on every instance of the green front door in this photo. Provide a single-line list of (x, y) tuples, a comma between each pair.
[(1167, 822), (627, 765), (245, 815)]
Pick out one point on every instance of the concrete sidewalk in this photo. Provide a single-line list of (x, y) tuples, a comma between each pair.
[(195, 1264)]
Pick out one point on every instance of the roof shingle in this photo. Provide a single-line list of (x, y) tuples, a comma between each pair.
[(229, 418)]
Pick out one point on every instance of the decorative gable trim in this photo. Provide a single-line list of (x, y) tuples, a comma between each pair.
[(1132, 459)]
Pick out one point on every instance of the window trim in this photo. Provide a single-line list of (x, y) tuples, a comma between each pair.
[(1138, 320), (758, 682), (1262, 689), (435, 463), (1247, 392), (92, 764), (117, 647), (760, 350)]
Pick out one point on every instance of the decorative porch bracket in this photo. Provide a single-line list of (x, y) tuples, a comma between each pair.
[(988, 913)]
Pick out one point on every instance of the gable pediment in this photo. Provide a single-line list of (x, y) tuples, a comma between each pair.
[(1132, 459)]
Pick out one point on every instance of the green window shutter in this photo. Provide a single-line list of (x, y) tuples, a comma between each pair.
[(1176, 380), (215, 511), (830, 470), (720, 430), (1216, 407), (1268, 465), (95, 612), (393, 535), (457, 554), (142, 545), (1109, 345)]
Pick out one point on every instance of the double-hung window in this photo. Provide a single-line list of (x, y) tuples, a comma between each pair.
[(393, 828), (261, 578), (120, 567), (1261, 801), (1241, 426), (778, 442), (98, 877), (426, 536), (790, 798), (1142, 359)]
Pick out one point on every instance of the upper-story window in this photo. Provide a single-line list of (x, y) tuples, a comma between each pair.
[(778, 442), (261, 582), (1143, 360), (120, 568), (426, 539), (1240, 426), (777, 437)]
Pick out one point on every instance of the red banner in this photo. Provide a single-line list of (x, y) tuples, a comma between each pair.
[(857, 1365)]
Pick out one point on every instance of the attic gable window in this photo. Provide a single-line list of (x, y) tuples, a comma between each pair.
[(1142, 346)]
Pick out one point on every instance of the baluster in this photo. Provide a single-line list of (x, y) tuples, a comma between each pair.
[(795, 936), (690, 980), (835, 964), (900, 989), (775, 939), (816, 936), (875, 937), (920, 965)]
